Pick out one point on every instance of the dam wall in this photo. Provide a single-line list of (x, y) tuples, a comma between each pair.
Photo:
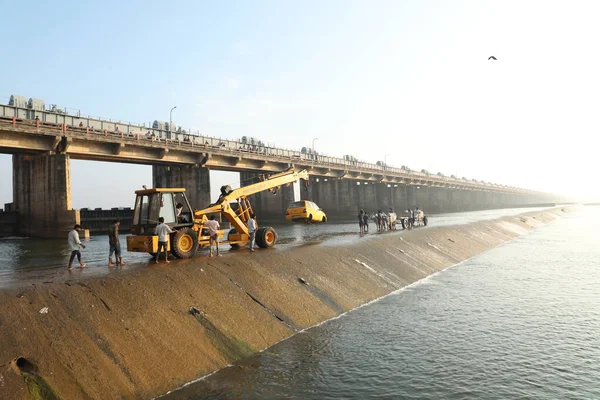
[(141, 332)]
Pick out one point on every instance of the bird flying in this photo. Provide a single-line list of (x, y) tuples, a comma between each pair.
[(492, 58)]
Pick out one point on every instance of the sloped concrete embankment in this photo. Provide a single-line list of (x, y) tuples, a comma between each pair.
[(141, 334)]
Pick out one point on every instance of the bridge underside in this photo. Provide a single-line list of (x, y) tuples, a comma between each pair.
[(42, 193), (343, 198)]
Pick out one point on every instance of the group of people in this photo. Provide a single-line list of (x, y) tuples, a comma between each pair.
[(162, 230), (363, 221), (383, 221), (114, 246)]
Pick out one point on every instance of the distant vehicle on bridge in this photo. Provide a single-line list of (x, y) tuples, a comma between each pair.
[(351, 159)]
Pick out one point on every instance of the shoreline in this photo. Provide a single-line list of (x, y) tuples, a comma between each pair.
[(144, 333)]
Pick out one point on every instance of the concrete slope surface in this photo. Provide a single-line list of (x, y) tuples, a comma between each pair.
[(143, 333)]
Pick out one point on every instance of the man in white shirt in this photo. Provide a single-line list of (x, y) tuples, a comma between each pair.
[(213, 233), (74, 244), (252, 231), (162, 230)]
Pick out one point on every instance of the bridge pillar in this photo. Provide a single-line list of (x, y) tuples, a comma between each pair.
[(399, 196), (366, 196), (267, 205), (335, 196), (438, 200), (411, 197), (42, 195), (195, 180), (488, 200), (455, 200), (422, 198), (385, 196)]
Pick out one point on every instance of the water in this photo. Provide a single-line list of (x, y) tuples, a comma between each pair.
[(520, 321), (28, 260)]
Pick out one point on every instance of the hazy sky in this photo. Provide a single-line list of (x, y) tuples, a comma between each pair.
[(410, 78)]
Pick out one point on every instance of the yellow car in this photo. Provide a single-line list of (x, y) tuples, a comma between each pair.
[(305, 210)]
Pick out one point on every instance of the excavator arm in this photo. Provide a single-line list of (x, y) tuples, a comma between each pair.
[(239, 219)]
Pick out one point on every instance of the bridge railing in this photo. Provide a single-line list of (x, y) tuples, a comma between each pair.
[(60, 120)]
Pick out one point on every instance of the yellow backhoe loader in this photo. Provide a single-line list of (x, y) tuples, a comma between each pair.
[(172, 204)]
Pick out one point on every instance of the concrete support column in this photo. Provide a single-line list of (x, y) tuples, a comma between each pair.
[(385, 198), (463, 200), (265, 204), (195, 180), (42, 195), (488, 200), (399, 198), (422, 198), (478, 199), (366, 196), (411, 197), (335, 196), (438, 200)]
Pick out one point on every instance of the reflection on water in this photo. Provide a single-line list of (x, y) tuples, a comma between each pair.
[(23, 259), (518, 322)]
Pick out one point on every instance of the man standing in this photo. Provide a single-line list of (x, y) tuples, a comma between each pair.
[(74, 244), (361, 221), (252, 231), (114, 244), (213, 234), (162, 230)]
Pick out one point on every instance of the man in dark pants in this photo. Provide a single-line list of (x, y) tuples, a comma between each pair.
[(114, 244), (361, 220)]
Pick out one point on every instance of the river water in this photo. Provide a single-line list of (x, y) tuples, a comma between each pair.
[(27, 260), (521, 321)]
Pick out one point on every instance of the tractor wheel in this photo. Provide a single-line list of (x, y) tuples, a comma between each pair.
[(425, 221), (266, 237), (233, 245), (184, 243), (404, 223), (324, 219)]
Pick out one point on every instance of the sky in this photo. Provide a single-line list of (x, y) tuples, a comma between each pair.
[(410, 79)]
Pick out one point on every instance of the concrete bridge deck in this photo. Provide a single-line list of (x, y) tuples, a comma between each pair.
[(43, 142), (110, 141)]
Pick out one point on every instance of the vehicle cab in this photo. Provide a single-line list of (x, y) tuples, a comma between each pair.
[(150, 205)]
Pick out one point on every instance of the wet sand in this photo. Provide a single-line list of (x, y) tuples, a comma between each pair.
[(140, 332)]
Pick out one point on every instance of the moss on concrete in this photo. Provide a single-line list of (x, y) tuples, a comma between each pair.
[(38, 388)]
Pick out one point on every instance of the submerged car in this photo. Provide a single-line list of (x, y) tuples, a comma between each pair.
[(305, 210)]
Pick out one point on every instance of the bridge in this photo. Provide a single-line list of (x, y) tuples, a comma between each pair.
[(43, 140)]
